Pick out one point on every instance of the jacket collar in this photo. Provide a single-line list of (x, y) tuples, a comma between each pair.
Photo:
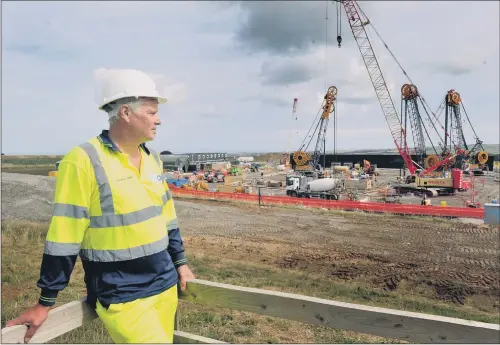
[(106, 141)]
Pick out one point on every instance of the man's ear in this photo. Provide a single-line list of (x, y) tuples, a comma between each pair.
[(125, 112)]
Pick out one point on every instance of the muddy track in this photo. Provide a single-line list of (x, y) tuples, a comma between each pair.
[(468, 262), (448, 285), (477, 250)]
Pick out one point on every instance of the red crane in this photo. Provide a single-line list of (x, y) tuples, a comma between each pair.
[(374, 71)]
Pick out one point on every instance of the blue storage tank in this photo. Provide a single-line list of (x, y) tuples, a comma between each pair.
[(492, 214)]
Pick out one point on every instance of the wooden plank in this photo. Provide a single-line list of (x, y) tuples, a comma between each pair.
[(61, 320), (75, 314), (181, 337), (408, 326)]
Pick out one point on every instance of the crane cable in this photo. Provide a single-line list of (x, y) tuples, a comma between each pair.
[(307, 135), (326, 44), (470, 123)]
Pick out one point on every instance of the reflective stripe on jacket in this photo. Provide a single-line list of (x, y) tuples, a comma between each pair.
[(120, 221)]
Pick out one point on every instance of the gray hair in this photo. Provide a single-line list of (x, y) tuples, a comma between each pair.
[(113, 108)]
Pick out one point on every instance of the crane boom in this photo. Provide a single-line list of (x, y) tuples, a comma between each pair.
[(409, 93), (325, 117), (302, 159), (378, 81)]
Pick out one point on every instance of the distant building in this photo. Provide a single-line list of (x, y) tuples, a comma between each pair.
[(175, 162), (192, 161), (206, 157), (245, 159)]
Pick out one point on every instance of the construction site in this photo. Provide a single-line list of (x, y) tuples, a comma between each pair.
[(437, 165), (417, 232)]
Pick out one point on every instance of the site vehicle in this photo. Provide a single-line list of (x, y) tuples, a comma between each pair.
[(369, 169), (302, 186), (434, 186), (234, 171), (218, 177)]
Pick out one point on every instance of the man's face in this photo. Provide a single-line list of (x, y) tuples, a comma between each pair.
[(144, 120)]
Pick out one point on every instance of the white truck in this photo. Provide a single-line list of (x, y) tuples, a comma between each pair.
[(300, 186)]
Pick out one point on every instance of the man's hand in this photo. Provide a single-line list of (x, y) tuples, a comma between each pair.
[(34, 317), (185, 274)]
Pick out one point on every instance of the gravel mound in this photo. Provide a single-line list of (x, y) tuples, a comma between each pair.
[(30, 197), (27, 197)]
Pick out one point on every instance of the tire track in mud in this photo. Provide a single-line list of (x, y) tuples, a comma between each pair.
[(483, 263), (449, 284), (477, 250), (477, 232)]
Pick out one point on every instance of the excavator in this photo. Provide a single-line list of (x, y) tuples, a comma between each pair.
[(420, 179)]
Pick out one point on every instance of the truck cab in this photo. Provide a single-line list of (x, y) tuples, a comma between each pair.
[(295, 184)]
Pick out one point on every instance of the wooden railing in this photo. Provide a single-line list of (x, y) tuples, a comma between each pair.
[(389, 323)]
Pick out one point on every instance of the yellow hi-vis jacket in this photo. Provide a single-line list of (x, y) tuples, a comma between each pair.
[(121, 221)]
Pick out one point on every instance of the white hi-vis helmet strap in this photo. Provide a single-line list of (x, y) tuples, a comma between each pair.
[(128, 83)]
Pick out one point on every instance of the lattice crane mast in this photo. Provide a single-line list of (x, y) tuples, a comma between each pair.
[(328, 108), (302, 159), (453, 125), (409, 95), (411, 101)]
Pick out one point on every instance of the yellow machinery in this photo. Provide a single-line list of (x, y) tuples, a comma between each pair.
[(301, 159), (431, 181), (242, 190), (341, 168), (482, 157), (199, 185)]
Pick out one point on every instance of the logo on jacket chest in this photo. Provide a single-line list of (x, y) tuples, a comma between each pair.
[(155, 178)]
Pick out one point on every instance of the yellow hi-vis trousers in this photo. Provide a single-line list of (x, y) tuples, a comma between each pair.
[(145, 320)]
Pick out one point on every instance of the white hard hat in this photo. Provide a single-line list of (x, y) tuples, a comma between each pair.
[(128, 83)]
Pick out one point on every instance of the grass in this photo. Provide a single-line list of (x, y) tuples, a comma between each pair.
[(30, 164), (29, 160), (22, 244)]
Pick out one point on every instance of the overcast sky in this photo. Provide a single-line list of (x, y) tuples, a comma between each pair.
[(232, 70)]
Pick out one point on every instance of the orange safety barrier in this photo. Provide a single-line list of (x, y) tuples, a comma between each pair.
[(425, 210)]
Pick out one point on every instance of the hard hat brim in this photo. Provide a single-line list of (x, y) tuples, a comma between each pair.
[(161, 100)]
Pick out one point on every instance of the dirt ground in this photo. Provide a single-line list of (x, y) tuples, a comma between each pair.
[(455, 259)]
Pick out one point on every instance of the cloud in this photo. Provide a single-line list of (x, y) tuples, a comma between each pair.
[(232, 69), (447, 68), (287, 72), (286, 28), (357, 100), (40, 51), (267, 101)]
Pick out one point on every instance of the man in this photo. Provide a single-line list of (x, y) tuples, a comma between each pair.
[(113, 208)]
